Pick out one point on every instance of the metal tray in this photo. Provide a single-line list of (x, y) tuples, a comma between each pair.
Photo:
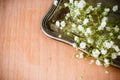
[(53, 33)]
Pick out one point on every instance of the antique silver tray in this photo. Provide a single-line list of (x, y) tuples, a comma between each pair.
[(53, 33)]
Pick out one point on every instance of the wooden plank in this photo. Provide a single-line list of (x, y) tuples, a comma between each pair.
[(27, 54)]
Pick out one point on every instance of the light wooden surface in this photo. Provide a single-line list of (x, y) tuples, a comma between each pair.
[(27, 54)]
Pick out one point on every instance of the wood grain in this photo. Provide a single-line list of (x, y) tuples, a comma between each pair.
[(27, 54)]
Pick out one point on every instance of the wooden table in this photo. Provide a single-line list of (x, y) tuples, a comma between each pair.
[(27, 54)]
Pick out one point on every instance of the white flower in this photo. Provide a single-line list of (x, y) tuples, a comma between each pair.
[(104, 19), (88, 32), (81, 55), (99, 5), (68, 15), (116, 48), (95, 53), (80, 28), (77, 12), (106, 62), (66, 4), (59, 36), (98, 62), (116, 28), (71, 1), (89, 40), (106, 71), (86, 20), (115, 8), (100, 28), (118, 54), (108, 44), (73, 26), (118, 36), (55, 2), (76, 38), (103, 24), (91, 62), (74, 45), (103, 51), (113, 55), (75, 3), (89, 9), (63, 24), (90, 17), (108, 28), (57, 23), (82, 45), (81, 4), (107, 10), (111, 34)]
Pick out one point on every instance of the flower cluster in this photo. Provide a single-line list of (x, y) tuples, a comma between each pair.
[(93, 30)]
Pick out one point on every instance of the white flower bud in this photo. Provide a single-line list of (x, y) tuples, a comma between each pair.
[(57, 23)]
